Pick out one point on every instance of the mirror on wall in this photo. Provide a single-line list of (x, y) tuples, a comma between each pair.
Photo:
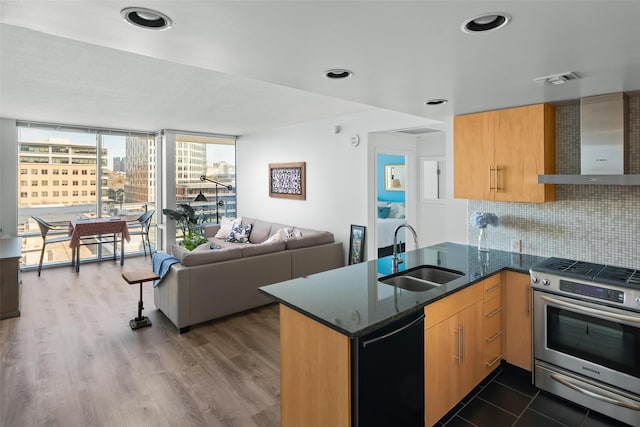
[(394, 178)]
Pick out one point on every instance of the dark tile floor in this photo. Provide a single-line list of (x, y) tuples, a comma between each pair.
[(507, 398)]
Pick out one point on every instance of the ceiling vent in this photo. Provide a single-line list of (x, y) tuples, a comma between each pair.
[(556, 79)]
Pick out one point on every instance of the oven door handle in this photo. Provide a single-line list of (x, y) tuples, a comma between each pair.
[(624, 317), (567, 382)]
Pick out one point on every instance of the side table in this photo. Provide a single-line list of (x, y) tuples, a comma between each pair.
[(139, 276)]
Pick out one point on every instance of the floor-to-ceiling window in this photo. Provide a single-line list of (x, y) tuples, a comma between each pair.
[(68, 172), (206, 175)]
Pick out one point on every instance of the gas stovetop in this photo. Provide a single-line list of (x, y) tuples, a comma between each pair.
[(605, 274), (596, 282)]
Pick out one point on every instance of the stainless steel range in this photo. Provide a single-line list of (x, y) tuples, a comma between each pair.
[(586, 335)]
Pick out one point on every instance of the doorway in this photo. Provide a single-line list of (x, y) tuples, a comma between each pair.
[(391, 201)]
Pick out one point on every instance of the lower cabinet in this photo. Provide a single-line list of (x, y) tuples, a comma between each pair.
[(466, 335), (492, 324), (10, 252), (315, 373), (453, 349), (329, 379), (518, 312)]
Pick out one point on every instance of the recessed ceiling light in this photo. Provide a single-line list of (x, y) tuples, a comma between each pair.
[(338, 73), (486, 22), (435, 101), (146, 18)]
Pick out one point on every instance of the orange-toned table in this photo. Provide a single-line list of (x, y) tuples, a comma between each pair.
[(82, 228)]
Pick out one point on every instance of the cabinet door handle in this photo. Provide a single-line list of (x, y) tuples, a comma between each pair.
[(494, 361), (496, 335), (493, 288), (459, 356), (527, 295), (494, 312), (490, 187), (462, 344), (497, 180)]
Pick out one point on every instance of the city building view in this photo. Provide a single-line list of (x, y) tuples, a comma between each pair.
[(66, 176)]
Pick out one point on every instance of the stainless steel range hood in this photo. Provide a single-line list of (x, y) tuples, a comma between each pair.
[(603, 144)]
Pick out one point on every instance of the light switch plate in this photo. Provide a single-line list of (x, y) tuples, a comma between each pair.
[(516, 245)]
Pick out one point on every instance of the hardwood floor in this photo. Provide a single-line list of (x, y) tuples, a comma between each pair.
[(72, 360)]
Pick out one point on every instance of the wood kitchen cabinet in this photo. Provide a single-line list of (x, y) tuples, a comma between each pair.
[(453, 349), (313, 358), (492, 324), (498, 155), (10, 253), (518, 312)]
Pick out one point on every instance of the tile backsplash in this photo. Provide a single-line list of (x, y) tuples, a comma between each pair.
[(586, 222)]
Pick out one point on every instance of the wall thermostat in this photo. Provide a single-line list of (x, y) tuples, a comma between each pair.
[(355, 140)]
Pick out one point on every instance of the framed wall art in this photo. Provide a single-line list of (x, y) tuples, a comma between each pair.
[(287, 180), (356, 244), (394, 177)]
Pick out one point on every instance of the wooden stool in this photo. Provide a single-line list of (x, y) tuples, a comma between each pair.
[(141, 276)]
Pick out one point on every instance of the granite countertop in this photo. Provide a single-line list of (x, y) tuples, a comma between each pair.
[(352, 301)]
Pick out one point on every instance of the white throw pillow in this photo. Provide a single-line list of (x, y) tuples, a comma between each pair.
[(279, 236), (226, 225)]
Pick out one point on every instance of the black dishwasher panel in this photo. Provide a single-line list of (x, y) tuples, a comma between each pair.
[(388, 375)]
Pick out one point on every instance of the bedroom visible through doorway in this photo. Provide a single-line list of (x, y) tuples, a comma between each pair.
[(390, 201)]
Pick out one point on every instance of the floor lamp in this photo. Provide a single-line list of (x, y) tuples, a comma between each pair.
[(202, 198)]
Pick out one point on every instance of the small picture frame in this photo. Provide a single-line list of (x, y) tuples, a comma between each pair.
[(356, 244), (287, 180)]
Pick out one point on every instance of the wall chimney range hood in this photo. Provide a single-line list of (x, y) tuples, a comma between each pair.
[(604, 144)]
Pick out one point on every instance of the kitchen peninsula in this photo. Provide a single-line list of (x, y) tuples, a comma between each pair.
[(324, 316)]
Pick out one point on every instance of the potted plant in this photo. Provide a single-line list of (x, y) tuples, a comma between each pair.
[(185, 216)]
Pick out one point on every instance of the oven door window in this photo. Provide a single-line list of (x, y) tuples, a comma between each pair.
[(607, 343)]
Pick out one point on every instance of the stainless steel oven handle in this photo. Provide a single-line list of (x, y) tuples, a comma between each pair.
[(567, 382), (633, 319)]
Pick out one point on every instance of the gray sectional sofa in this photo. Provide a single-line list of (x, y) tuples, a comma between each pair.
[(210, 283)]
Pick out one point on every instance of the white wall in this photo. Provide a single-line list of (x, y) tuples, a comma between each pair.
[(339, 177), (8, 177), (443, 219)]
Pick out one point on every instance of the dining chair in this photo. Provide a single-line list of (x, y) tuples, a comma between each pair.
[(141, 228), (45, 227)]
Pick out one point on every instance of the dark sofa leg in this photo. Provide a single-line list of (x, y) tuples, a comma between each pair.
[(185, 329)]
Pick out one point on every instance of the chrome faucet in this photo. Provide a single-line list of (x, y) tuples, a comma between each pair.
[(396, 260)]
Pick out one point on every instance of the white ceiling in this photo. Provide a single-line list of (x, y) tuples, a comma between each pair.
[(243, 66)]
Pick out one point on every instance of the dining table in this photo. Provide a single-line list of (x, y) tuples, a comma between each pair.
[(86, 231)]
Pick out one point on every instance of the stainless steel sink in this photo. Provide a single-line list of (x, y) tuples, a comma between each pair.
[(422, 278), (432, 274), (410, 283)]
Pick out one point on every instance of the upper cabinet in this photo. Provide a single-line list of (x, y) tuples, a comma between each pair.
[(498, 155)]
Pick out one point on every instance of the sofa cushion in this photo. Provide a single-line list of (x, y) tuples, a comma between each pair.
[(207, 256), (240, 234), (261, 249), (303, 238), (226, 224), (260, 232)]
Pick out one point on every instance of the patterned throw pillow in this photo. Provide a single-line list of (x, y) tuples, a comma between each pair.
[(226, 224), (239, 234)]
